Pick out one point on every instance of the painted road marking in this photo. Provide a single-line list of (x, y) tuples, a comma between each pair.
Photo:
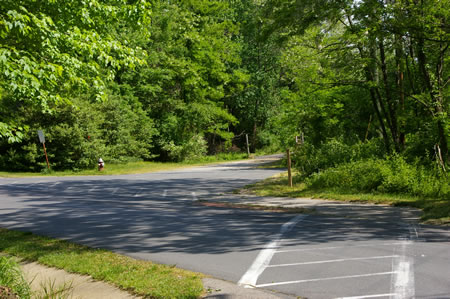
[(414, 235), (402, 282), (138, 193), (334, 261), (32, 184), (368, 296), (263, 259), (322, 279), (29, 185), (339, 247)]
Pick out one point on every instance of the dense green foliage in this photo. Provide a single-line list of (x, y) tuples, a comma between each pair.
[(392, 175), (136, 80), (368, 80)]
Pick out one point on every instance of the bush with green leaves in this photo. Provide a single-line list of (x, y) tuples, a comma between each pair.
[(194, 148), (390, 175), (11, 277), (78, 134), (310, 159)]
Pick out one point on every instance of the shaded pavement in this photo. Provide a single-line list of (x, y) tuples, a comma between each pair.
[(342, 250)]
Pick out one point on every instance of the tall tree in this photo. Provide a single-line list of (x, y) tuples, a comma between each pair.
[(52, 50), (253, 106), (402, 47), (190, 68)]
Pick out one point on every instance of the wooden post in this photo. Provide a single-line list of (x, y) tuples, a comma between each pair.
[(368, 127), (46, 158), (289, 167), (248, 146)]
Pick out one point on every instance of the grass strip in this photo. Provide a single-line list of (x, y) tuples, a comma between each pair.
[(274, 209), (142, 278), (435, 210), (132, 167)]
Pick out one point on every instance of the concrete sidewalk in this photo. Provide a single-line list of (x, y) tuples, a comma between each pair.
[(77, 286), (71, 285)]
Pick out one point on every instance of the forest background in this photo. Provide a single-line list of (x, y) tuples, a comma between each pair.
[(365, 82)]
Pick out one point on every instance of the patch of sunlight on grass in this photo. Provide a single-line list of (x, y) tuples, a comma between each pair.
[(130, 167), (140, 277), (435, 211)]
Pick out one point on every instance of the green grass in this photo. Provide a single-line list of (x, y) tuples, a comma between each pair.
[(139, 277), (435, 210), (133, 167), (273, 165), (12, 278), (110, 169)]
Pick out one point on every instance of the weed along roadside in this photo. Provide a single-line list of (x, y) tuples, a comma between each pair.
[(141, 278), (22, 279)]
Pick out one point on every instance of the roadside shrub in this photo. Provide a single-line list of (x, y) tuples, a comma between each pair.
[(310, 159), (24, 156), (362, 176), (78, 135), (193, 148), (12, 277), (390, 175)]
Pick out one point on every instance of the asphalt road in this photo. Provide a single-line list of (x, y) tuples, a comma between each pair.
[(154, 216)]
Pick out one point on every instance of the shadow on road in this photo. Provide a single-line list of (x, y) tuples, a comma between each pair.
[(158, 216)]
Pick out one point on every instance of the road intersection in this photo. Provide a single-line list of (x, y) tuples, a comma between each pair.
[(342, 251)]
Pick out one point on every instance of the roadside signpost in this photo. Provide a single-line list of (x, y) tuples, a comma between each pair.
[(288, 154), (42, 140), (248, 147)]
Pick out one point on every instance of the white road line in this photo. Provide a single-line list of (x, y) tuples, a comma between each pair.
[(54, 184), (32, 184), (335, 261), (368, 296), (414, 235), (402, 282), (194, 197), (29, 185), (138, 193), (322, 279), (338, 247), (263, 259)]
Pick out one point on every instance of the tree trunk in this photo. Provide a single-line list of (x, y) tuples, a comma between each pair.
[(436, 97), (401, 90), (390, 102)]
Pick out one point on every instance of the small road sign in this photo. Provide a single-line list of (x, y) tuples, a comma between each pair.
[(42, 140), (41, 136)]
